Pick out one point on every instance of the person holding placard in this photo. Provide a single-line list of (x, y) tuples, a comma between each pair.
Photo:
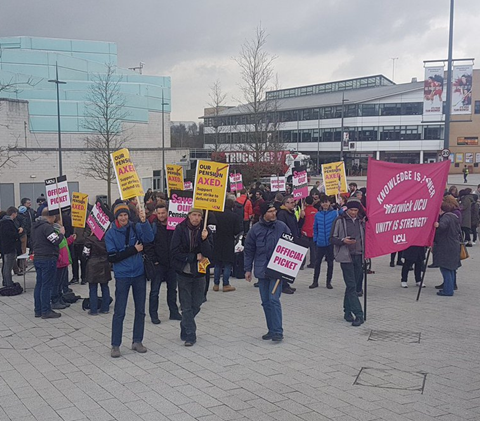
[(191, 246), (124, 242), (348, 239), (259, 246)]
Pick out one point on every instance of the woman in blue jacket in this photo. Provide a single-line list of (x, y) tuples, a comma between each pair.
[(124, 241), (321, 237)]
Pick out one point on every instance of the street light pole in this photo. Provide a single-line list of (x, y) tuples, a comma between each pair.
[(448, 104), (341, 132), (58, 82), (163, 145)]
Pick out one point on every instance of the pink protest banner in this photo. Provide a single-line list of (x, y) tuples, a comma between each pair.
[(187, 185), (98, 221), (178, 206), (236, 182), (300, 184), (403, 202)]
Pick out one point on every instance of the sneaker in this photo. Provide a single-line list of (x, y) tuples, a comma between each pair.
[(288, 291), (58, 306), (358, 321), (399, 263), (51, 315), (277, 338), (63, 302), (348, 317), (329, 285), (227, 288), (473, 243), (104, 312), (83, 282), (73, 281), (92, 314), (156, 320), (441, 293), (310, 266), (216, 287), (267, 336), (175, 316), (439, 286), (468, 245), (256, 284), (392, 264), (293, 289), (314, 285), (419, 283), (360, 294), (115, 352), (404, 285), (38, 315), (189, 343), (138, 346)]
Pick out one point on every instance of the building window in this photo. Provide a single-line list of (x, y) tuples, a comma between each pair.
[(477, 107)]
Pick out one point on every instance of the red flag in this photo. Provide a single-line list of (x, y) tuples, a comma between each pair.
[(403, 202)]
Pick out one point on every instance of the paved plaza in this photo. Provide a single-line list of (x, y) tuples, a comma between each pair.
[(409, 361)]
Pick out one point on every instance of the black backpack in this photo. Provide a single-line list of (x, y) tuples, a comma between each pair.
[(15, 289), (239, 209)]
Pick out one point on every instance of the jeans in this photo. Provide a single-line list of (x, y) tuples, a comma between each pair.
[(313, 250), (322, 252), (227, 270), (60, 279), (271, 305), (122, 289), (8, 261), (474, 233), (167, 275), (448, 280), (46, 272), (352, 272), (76, 251), (93, 295), (407, 264), (191, 292)]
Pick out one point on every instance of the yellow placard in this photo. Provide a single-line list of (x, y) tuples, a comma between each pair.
[(334, 178), (203, 265), (210, 185), (128, 181), (79, 209), (174, 177)]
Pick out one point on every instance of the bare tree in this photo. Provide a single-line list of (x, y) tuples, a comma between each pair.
[(261, 125), (104, 118), (216, 104)]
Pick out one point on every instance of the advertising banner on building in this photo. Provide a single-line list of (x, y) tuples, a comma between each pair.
[(56, 189), (129, 184), (403, 203), (433, 90), (236, 181), (462, 89), (79, 209), (277, 183), (211, 179), (300, 183), (334, 178), (286, 260), (179, 205), (98, 220), (188, 185), (174, 178)]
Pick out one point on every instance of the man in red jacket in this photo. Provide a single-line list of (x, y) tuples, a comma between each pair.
[(307, 229), (243, 203)]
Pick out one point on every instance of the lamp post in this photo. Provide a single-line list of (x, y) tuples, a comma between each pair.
[(341, 132), (448, 104), (58, 82), (163, 144)]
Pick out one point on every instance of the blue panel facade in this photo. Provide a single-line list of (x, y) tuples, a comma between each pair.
[(32, 60)]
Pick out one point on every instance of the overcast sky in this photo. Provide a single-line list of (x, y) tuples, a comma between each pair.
[(195, 41)]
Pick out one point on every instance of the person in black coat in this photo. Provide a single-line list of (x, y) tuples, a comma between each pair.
[(9, 238), (413, 256), (229, 225), (159, 254)]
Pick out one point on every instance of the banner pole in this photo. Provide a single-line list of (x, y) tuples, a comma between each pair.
[(423, 274), (365, 274), (275, 287), (58, 201), (205, 220), (140, 205)]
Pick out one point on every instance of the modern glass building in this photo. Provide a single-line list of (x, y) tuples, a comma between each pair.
[(29, 63)]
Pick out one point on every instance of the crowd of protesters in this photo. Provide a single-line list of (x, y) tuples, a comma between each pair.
[(239, 241)]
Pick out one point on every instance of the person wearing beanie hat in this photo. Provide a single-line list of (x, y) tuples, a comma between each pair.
[(124, 243), (191, 244), (259, 246), (348, 239)]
